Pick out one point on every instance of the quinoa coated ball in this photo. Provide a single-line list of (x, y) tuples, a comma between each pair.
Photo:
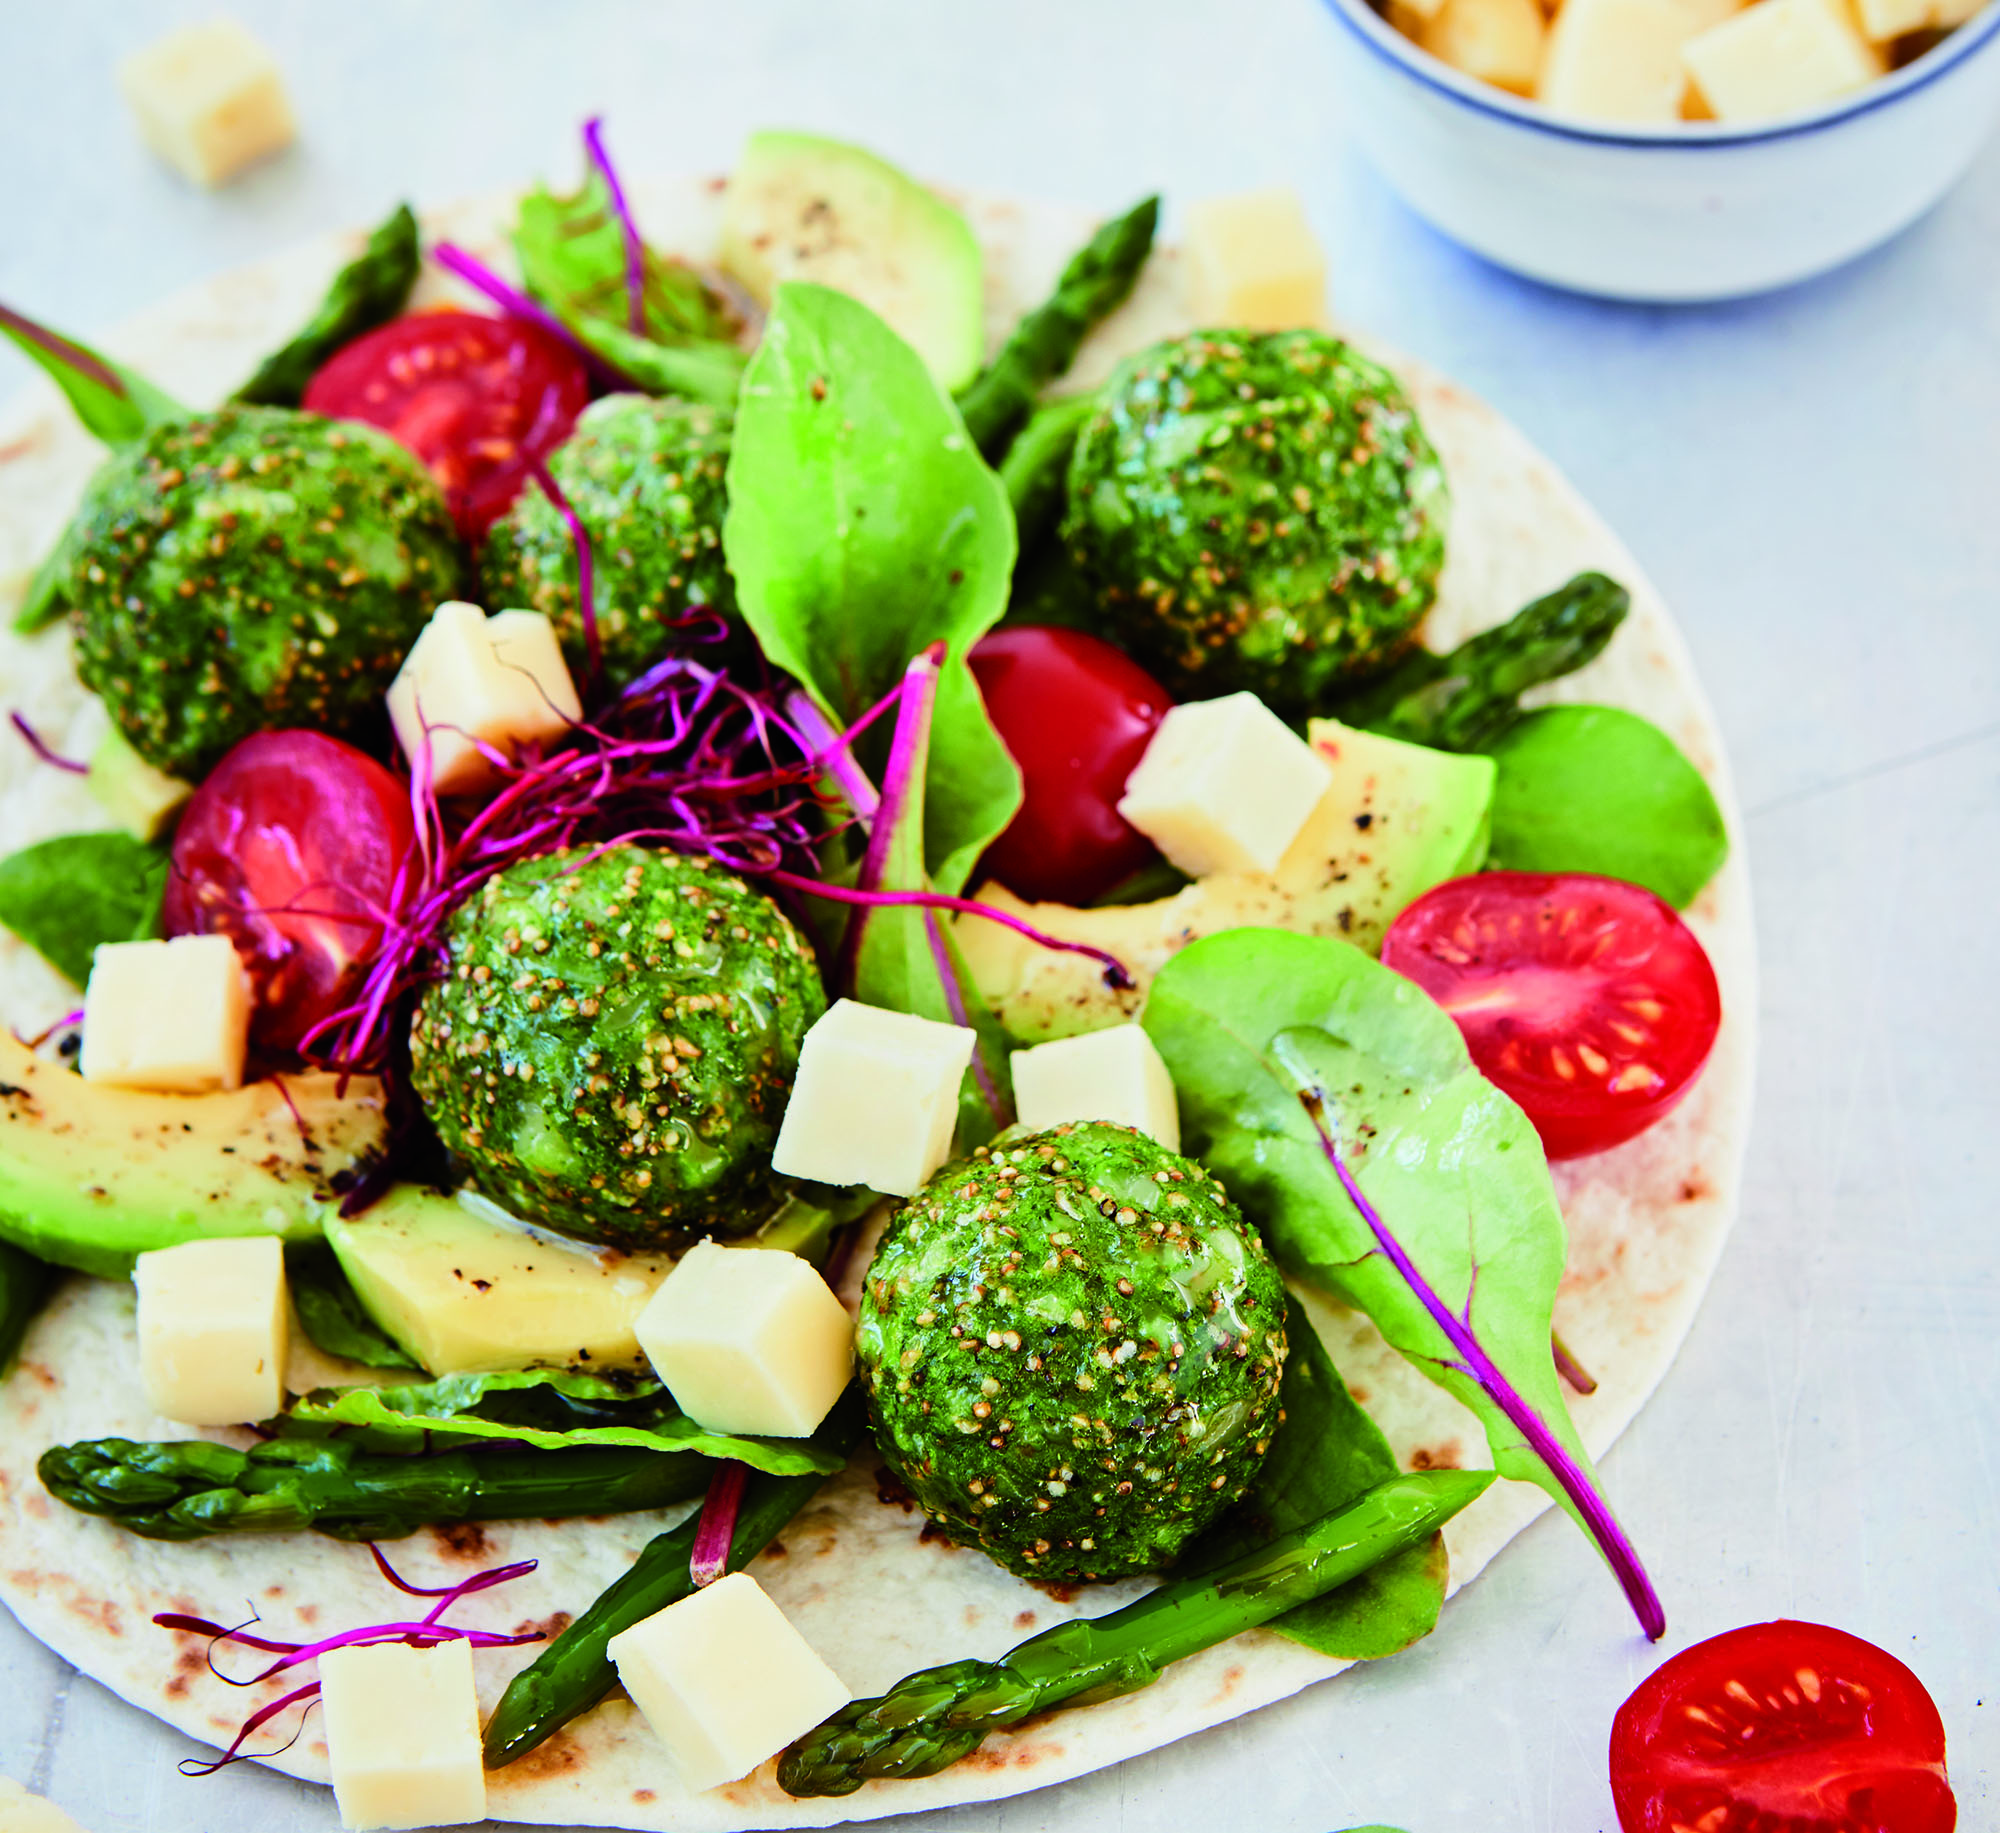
[(1073, 1343), (612, 1044), (253, 569), (1257, 510), (645, 478)]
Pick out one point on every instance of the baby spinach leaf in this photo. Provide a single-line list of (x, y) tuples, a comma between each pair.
[(864, 526), (332, 1314), (1597, 789), (63, 897), (112, 401), (26, 1285), (366, 293), (1461, 1276), (548, 1408), (1327, 1452)]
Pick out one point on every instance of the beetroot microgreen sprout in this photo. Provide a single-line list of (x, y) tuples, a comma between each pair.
[(429, 1631), (586, 598), (635, 249), (516, 304), (42, 1036), (41, 747), (1476, 1364), (715, 1532)]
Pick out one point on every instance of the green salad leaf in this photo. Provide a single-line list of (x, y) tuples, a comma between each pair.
[(864, 526), (366, 293), (1597, 789), (551, 1409), (114, 402), (332, 1314), (1325, 1455), (63, 897), (1250, 1021)]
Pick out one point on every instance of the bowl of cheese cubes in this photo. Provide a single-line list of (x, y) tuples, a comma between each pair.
[(1670, 150)]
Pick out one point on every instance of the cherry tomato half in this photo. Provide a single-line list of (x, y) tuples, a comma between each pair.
[(1077, 715), (291, 848), (1587, 999), (474, 397), (1781, 1725)]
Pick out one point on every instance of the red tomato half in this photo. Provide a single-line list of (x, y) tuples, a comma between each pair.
[(1077, 715), (291, 848), (1781, 1725), (474, 397), (1587, 999)]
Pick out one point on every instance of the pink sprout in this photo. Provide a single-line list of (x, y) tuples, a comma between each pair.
[(635, 249), (715, 1533), (42, 1036), (41, 748), (586, 596), (511, 300), (429, 1631)]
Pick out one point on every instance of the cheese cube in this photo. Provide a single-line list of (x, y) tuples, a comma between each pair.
[(1620, 60), (402, 1735), (1224, 786), (1782, 57), (1253, 261), (1882, 20), (1497, 41), (172, 1016), (1115, 1074), (214, 1324), (875, 1101), (724, 1680), (470, 681), (22, 1812), (749, 1340), (209, 100)]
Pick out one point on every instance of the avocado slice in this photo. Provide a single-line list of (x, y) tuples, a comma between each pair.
[(802, 208), (1397, 819), (92, 1176), (142, 800)]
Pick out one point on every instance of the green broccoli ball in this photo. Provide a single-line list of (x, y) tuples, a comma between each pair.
[(613, 1040), (1072, 1342), (645, 478), (1257, 510), (252, 569)]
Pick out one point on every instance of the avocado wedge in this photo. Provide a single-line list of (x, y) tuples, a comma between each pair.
[(91, 1177)]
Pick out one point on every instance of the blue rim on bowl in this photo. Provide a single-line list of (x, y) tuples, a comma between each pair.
[(1382, 39)]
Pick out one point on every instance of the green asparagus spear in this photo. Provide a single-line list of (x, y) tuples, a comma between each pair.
[(572, 1674), (1036, 466), (369, 291), (1465, 700), (25, 1285), (186, 1489), (930, 1720), (1045, 342)]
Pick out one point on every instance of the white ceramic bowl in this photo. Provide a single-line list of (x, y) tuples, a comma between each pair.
[(1696, 211)]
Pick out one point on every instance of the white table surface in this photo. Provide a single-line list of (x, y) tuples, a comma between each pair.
[(1810, 477)]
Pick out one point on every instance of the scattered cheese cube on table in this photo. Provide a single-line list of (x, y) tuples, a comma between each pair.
[(1253, 261), (1781, 57), (875, 1101), (402, 1735), (209, 100), (1224, 786), (724, 1680), (215, 1321), (1497, 41), (1115, 1074), (22, 1812), (1620, 60), (470, 681), (170, 1016), (749, 1340)]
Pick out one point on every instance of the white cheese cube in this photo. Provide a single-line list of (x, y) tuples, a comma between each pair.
[(209, 100), (172, 1016), (1252, 260), (214, 1324), (470, 681), (1620, 60), (1225, 786), (749, 1340), (1114, 1074), (1882, 20), (1497, 41), (1782, 57), (724, 1680), (875, 1101), (402, 1735), (22, 1812)]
